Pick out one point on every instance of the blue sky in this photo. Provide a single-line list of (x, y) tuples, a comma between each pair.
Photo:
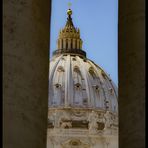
[(98, 23)]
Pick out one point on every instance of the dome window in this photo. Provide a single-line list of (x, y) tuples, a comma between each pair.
[(75, 143), (107, 101), (74, 59), (85, 101), (78, 86), (57, 85), (96, 87), (77, 70), (103, 74), (92, 73), (111, 90), (61, 69)]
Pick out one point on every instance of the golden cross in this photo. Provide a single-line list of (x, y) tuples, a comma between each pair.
[(69, 5)]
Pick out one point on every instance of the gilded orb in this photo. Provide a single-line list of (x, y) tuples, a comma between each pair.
[(69, 12)]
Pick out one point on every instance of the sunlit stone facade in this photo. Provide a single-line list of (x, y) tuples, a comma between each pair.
[(83, 100)]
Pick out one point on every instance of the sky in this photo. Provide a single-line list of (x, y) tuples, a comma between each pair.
[(98, 24)]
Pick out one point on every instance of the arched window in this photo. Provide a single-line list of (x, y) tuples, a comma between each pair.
[(77, 75), (103, 74), (92, 73), (58, 98), (61, 69)]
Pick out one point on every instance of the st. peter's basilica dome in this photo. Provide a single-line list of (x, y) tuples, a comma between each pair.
[(83, 100), (76, 81)]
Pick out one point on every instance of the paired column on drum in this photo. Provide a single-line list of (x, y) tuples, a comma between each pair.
[(60, 44), (69, 43)]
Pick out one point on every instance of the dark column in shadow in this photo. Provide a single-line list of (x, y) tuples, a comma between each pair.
[(25, 72), (131, 73)]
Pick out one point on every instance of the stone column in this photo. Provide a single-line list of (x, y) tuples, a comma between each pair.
[(69, 43), (78, 43), (131, 73), (74, 44), (61, 43), (64, 43), (60, 46), (25, 73)]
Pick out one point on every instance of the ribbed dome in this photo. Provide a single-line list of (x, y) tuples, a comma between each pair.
[(83, 104), (78, 82)]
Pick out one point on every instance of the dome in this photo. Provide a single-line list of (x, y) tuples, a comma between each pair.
[(78, 82), (83, 100)]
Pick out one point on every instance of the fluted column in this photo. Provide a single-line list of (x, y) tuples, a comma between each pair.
[(64, 43), (58, 45), (69, 43), (74, 43), (78, 43)]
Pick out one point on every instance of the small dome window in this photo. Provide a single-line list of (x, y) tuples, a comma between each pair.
[(103, 74), (92, 72), (76, 68), (74, 59), (61, 69), (96, 87), (77, 85), (111, 90), (107, 101), (75, 143), (57, 85), (85, 101)]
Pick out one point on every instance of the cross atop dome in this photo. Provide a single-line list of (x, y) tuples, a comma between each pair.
[(69, 11)]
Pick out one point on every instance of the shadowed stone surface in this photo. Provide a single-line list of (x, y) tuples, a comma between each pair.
[(25, 72), (132, 73)]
